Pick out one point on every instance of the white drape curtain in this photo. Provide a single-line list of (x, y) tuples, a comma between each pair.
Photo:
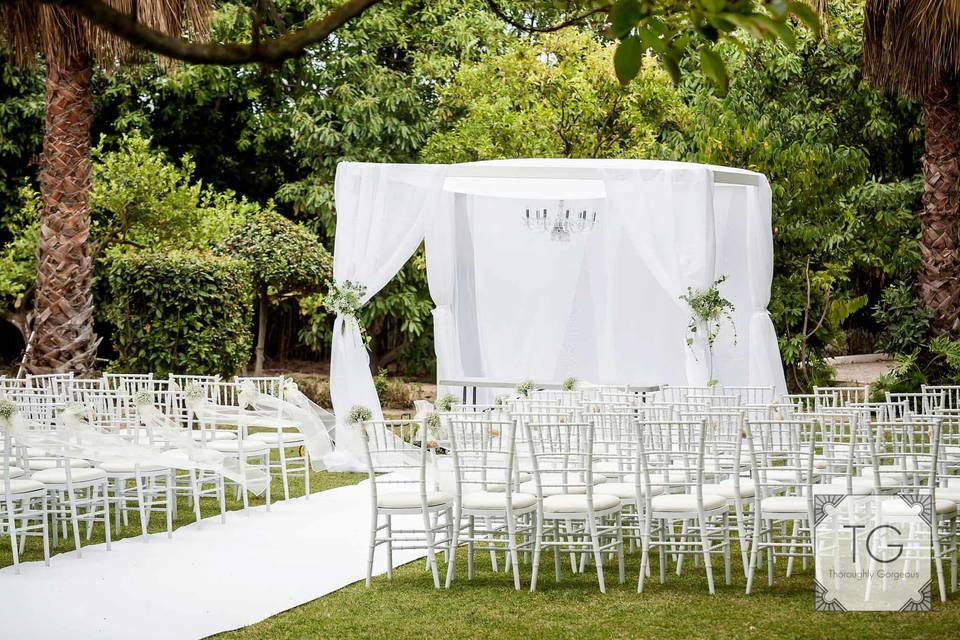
[(441, 250), (667, 213), (765, 366), (382, 214)]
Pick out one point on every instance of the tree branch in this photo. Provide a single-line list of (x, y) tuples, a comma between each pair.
[(500, 13), (272, 51)]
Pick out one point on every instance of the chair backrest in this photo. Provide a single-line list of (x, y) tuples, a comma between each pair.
[(131, 383), (111, 410), (838, 397), (395, 457), (904, 405), (944, 396), (906, 451), (561, 457), (269, 385), (483, 453), (671, 456), (781, 455), (752, 395)]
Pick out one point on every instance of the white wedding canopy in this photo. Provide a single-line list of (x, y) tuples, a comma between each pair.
[(512, 304)]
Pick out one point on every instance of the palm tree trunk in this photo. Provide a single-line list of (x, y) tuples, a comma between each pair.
[(261, 333), (939, 244), (63, 316)]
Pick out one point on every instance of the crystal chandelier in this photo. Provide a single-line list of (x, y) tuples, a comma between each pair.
[(560, 223)]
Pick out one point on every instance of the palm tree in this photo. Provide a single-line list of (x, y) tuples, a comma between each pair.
[(62, 322), (913, 46)]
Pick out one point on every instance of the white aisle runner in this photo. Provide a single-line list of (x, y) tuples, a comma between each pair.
[(203, 580)]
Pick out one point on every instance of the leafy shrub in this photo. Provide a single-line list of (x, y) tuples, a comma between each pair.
[(904, 321), (180, 313)]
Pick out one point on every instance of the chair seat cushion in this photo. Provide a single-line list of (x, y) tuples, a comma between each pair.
[(577, 503), (900, 508), (22, 485), (490, 500), (552, 484), (728, 490), (233, 446), (495, 479), (131, 467), (686, 502), (892, 474), (788, 475), (784, 504), (950, 493), (59, 476), (208, 435), (41, 464), (864, 484), (624, 490), (275, 437), (11, 472), (411, 499)]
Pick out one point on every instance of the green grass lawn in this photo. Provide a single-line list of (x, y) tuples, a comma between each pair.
[(488, 607)]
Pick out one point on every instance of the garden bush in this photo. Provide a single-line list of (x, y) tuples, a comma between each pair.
[(180, 313)]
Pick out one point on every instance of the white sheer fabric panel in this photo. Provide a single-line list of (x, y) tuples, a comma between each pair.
[(667, 213), (382, 213), (732, 348), (765, 366), (441, 252)]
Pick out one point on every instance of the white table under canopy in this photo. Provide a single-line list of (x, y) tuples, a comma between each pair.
[(519, 297)]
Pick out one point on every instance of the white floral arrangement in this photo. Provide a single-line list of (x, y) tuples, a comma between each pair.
[(446, 402), (194, 393), (569, 384), (524, 388), (501, 400), (7, 411), (432, 422), (358, 414), (142, 399), (343, 298)]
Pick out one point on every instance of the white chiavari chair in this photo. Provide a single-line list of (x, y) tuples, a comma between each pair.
[(907, 452), (399, 486), (23, 512), (752, 395), (782, 466), (673, 468), (940, 397), (572, 516), (483, 456)]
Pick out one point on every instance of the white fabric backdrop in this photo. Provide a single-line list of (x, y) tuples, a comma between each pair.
[(382, 212), (512, 304)]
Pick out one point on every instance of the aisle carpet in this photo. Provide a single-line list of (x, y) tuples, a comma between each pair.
[(205, 580)]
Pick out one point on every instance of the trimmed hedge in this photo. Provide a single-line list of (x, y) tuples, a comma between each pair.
[(180, 313)]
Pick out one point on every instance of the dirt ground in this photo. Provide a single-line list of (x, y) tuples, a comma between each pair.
[(861, 369)]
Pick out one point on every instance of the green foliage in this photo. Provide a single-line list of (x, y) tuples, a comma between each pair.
[(284, 257), (709, 309), (841, 159), (179, 313), (671, 30), (18, 257), (141, 200), (21, 132), (904, 321), (556, 97)]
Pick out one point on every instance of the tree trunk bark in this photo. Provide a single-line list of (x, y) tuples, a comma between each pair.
[(63, 319), (261, 333), (939, 244)]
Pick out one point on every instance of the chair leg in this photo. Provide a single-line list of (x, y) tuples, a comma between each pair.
[(45, 531), (138, 479), (512, 546), (454, 542), (171, 502), (389, 547), (597, 557), (707, 562), (106, 516), (372, 549), (74, 520), (283, 472), (621, 564), (12, 526), (431, 552), (537, 545)]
